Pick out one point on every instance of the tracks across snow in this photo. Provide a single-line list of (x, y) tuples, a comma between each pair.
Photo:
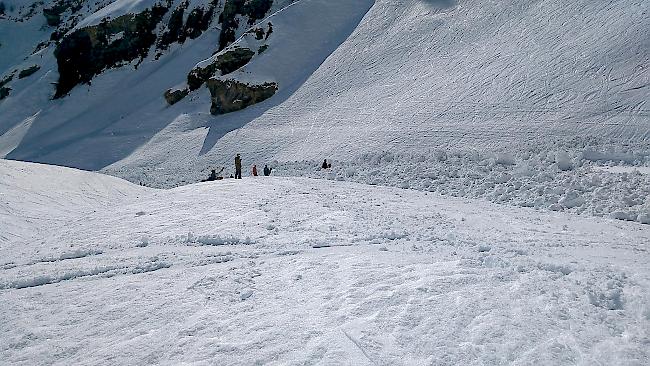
[(302, 271)]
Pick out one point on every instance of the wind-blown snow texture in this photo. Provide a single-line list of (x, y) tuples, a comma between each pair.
[(289, 271)]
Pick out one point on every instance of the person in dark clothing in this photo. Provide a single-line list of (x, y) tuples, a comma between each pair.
[(268, 32), (237, 167), (213, 176), (254, 170), (325, 165), (267, 171)]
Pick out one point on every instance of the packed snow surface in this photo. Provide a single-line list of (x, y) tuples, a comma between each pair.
[(294, 271)]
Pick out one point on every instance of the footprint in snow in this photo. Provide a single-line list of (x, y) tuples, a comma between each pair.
[(246, 294)]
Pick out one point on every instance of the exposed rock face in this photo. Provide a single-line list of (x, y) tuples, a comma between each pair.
[(253, 9), (198, 21), (4, 92), (28, 71), (7, 79), (88, 51), (174, 30), (174, 96), (225, 63), (230, 95), (53, 14)]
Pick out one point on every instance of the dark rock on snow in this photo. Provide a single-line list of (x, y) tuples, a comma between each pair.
[(88, 51), (230, 95), (225, 63), (28, 71), (174, 96)]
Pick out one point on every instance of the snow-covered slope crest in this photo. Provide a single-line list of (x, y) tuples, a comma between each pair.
[(35, 196), (294, 271)]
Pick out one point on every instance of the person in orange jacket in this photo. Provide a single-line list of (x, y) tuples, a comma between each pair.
[(254, 170)]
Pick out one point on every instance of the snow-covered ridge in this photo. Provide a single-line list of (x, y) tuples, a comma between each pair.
[(35, 196)]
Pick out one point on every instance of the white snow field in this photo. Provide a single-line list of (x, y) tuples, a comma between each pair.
[(297, 271)]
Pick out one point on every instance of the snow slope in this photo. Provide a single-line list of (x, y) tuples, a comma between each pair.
[(124, 108), (288, 271), (468, 74), (357, 77)]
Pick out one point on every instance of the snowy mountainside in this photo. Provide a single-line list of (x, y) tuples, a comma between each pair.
[(426, 77), (470, 74), (291, 271), (333, 78), (103, 78)]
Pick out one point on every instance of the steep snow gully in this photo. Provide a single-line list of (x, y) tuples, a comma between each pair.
[(294, 271)]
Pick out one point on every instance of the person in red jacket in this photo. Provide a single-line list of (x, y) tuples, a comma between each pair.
[(254, 170)]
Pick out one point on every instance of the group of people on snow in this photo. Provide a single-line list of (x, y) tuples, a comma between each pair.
[(214, 175)]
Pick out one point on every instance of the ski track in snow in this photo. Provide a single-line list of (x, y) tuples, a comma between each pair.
[(289, 271)]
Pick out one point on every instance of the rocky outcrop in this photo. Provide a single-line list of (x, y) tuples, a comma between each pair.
[(53, 14), (174, 96), (4, 92), (253, 9), (174, 30), (198, 21), (7, 79), (231, 95), (28, 71), (86, 52), (223, 64)]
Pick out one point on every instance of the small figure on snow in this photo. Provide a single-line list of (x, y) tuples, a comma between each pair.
[(254, 170), (214, 176), (326, 165), (268, 32), (267, 170), (237, 167)]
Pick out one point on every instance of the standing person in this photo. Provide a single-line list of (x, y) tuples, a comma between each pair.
[(325, 166), (267, 170), (237, 167), (254, 170)]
